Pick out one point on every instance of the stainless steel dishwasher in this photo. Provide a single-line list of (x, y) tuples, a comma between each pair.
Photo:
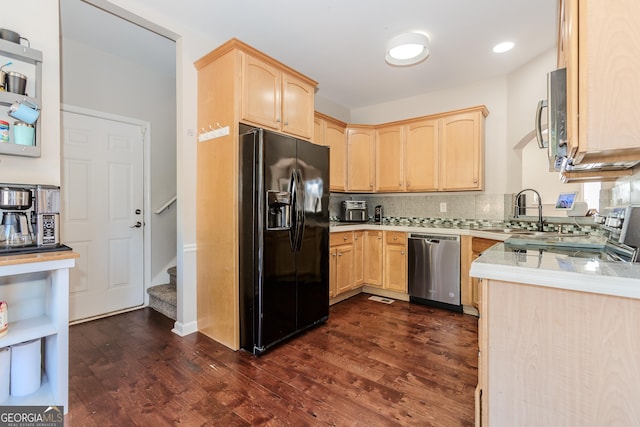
[(434, 270)]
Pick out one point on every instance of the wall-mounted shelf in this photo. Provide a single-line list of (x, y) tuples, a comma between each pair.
[(23, 58)]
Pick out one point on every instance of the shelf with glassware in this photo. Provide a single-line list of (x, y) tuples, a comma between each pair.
[(20, 99)]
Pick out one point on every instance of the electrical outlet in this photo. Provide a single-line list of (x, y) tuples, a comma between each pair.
[(443, 207)]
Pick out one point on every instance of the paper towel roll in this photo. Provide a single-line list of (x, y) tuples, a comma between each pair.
[(5, 372), (25, 368)]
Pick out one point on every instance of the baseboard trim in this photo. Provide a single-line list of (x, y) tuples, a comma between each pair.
[(184, 329), (102, 316)]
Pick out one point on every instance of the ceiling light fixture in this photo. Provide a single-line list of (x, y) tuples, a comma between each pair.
[(407, 49), (503, 47)]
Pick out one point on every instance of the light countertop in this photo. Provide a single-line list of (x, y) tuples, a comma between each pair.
[(427, 229), (562, 271)]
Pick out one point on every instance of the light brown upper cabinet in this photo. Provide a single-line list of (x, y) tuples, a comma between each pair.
[(390, 143), (421, 156), (360, 158), (276, 99), (332, 133), (461, 152), (599, 44), (434, 153)]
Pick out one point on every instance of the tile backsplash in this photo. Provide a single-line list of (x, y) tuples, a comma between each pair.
[(467, 206)]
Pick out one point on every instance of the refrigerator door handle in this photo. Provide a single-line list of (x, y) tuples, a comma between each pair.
[(299, 210), (293, 230)]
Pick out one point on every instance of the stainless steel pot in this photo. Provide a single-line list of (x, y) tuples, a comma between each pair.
[(9, 35), (12, 198), (15, 83), (12, 36)]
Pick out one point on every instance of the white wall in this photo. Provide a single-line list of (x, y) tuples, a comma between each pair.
[(491, 93), (107, 83), (38, 21)]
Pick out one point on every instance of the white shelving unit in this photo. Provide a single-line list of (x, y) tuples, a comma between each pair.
[(26, 61), (51, 322)]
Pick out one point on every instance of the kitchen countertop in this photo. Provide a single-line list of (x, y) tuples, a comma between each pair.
[(534, 267), (460, 230), (562, 271)]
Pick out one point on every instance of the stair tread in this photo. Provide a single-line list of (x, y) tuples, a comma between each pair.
[(167, 293)]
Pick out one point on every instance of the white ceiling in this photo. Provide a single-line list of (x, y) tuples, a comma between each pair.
[(341, 43)]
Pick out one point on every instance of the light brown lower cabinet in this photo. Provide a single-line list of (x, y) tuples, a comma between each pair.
[(395, 261), (367, 257), (373, 258), (470, 249), (341, 256), (557, 357)]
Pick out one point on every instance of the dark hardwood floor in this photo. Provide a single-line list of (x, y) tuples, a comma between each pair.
[(371, 364)]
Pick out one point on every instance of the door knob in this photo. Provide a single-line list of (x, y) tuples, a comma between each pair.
[(137, 225)]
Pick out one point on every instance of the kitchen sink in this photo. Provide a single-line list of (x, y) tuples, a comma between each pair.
[(532, 233)]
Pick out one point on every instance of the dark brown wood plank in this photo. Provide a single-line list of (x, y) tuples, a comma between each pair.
[(371, 364)]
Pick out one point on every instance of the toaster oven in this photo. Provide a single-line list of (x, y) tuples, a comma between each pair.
[(354, 211)]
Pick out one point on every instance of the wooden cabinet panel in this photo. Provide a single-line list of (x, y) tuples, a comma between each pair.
[(395, 261), (389, 143), (275, 99), (344, 268), (261, 92), (336, 140), (421, 156), (361, 159), (461, 152), (602, 64), (358, 258), (344, 238), (318, 131), (373, 258), (297, 107)]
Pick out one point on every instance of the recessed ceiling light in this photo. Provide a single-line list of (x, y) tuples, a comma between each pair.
[(503, 47), (407, 49)]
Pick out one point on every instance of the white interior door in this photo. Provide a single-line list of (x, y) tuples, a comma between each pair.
[(102, 219)]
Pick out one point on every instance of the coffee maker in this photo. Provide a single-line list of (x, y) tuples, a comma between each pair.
[(30, 218)]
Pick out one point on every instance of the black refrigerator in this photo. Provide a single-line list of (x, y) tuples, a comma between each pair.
[(284, 237)]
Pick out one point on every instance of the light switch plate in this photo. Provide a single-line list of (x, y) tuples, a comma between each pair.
[(443, 207)]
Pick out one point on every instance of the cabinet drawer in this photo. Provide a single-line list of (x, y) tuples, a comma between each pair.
[(395, 237), (343, 238), (478, 244)]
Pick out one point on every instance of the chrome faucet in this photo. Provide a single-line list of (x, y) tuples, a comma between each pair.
[(516, 209)]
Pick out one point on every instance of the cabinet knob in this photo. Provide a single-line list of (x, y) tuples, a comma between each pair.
[(356, 238), (475, 180), (333, 254), (339, 254), (402, 253), (395, 237), (278, 120), (345, 238), (399, 184), (286, 122)]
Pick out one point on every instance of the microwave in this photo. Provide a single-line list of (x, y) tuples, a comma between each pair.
[(556, 105)]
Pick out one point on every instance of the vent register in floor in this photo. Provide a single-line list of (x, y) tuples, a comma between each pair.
[(164, 298)]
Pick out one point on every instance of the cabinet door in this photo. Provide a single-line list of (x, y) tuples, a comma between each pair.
[(335, 138), (395, 267), (361, 159), (461, 152), (318, 131), (333, 271), (389, 143), (373, 258), (261, 91), (421, 156), (358, 258), (344, 269), (606, 90), (297, 107)]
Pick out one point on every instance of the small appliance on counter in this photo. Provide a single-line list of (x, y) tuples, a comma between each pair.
[(378, 216), (30, 219), (354, 211)]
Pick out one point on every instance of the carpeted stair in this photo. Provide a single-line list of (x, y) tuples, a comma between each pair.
[(163, 298)]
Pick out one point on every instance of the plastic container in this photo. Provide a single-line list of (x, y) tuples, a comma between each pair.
[(4, 131), (26, 360), (23, 133)]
